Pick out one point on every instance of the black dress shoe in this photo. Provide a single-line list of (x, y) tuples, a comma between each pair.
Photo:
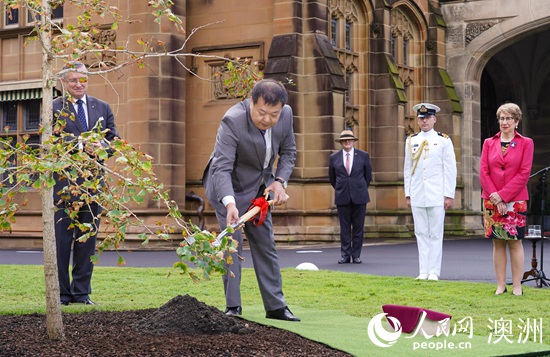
[(85, 302), (281, 314), (343, 261), (357, 261), (234, 311)]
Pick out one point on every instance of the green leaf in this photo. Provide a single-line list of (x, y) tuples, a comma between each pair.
[(103, 154), (50, 182), (147, 166), (94, 258), (121, 262), (142, 236), (164, 236), (139, 198), (36, 185)]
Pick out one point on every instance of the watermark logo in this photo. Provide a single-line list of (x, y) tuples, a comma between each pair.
[(379, 335), (501, 331)]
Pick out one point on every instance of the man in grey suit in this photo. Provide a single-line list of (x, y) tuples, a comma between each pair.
[(81, 113), (251, 136)]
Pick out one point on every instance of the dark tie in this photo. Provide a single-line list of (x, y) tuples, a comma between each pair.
[(263, 134), (347, 162), (81, 115)]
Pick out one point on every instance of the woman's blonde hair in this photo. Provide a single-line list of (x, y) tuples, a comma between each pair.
[(510, 108)]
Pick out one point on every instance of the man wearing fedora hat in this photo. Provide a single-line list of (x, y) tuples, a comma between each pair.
[(350, 173), (430, 180)]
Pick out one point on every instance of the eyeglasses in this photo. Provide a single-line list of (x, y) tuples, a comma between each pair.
[(81, 80), (503, 119)]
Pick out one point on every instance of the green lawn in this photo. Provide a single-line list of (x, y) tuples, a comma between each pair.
[(335, 307)]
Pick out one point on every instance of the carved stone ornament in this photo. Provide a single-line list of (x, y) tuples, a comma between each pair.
[(474, 29), (106, 37), (376, 28), (430, 45)]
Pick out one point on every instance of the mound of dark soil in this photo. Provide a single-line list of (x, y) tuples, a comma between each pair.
[(182, 327), (185, 314)]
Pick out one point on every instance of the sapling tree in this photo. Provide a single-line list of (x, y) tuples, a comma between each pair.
[(128, 172)]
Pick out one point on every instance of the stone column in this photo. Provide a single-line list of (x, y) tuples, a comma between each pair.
[(301, 51), (156, 99)]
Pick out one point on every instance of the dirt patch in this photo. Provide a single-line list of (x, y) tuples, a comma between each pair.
[(185, 314), (182, 327)]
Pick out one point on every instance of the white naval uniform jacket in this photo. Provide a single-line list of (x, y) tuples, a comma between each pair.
[(434, 177)]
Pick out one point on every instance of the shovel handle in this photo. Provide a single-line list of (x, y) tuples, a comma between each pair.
[(254, 211), (250, 214)]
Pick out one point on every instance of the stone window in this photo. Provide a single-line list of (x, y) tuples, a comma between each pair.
[(11, 17), (20, 118), (349, 80), (348, 35), (333, 31), (406, 49), (57, 14), (344, 24)]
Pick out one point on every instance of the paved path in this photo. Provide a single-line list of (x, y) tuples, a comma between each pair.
[(463, 259)]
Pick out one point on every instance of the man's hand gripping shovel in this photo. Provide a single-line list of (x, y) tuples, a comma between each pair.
[(259, 205)]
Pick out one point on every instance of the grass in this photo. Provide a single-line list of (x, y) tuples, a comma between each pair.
[(335, 307)]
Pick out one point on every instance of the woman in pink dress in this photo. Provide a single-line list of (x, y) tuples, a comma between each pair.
[(506, 160)]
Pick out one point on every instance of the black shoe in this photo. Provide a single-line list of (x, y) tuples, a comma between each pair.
[(234, 311), (65, 303), (281, 314), (343, 261), (357, 261), (85, 302)]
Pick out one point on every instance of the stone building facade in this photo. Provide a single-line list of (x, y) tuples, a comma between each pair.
[(360, 64)]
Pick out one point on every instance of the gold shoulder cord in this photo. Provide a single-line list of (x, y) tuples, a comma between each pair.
[(424, 146)]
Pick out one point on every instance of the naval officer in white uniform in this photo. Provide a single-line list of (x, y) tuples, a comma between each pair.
[(430, 182)]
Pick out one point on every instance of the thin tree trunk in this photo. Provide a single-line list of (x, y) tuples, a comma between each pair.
[(54, 320)]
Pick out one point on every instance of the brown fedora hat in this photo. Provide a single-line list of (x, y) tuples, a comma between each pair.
[(346, 135)]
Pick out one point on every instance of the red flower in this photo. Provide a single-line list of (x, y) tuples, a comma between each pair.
[(520, 206), (522, 220)]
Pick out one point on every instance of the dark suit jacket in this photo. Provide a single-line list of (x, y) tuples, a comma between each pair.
[(236, 168), (97, 109), (352, 189)]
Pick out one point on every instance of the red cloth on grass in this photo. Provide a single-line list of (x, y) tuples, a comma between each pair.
[(409, 316)]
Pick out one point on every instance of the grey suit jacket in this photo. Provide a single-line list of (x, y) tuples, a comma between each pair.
[(236, 168), (63, 108)]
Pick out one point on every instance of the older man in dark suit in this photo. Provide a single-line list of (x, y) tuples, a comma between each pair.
[(350, 174), (251, 136), (81, 113)]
